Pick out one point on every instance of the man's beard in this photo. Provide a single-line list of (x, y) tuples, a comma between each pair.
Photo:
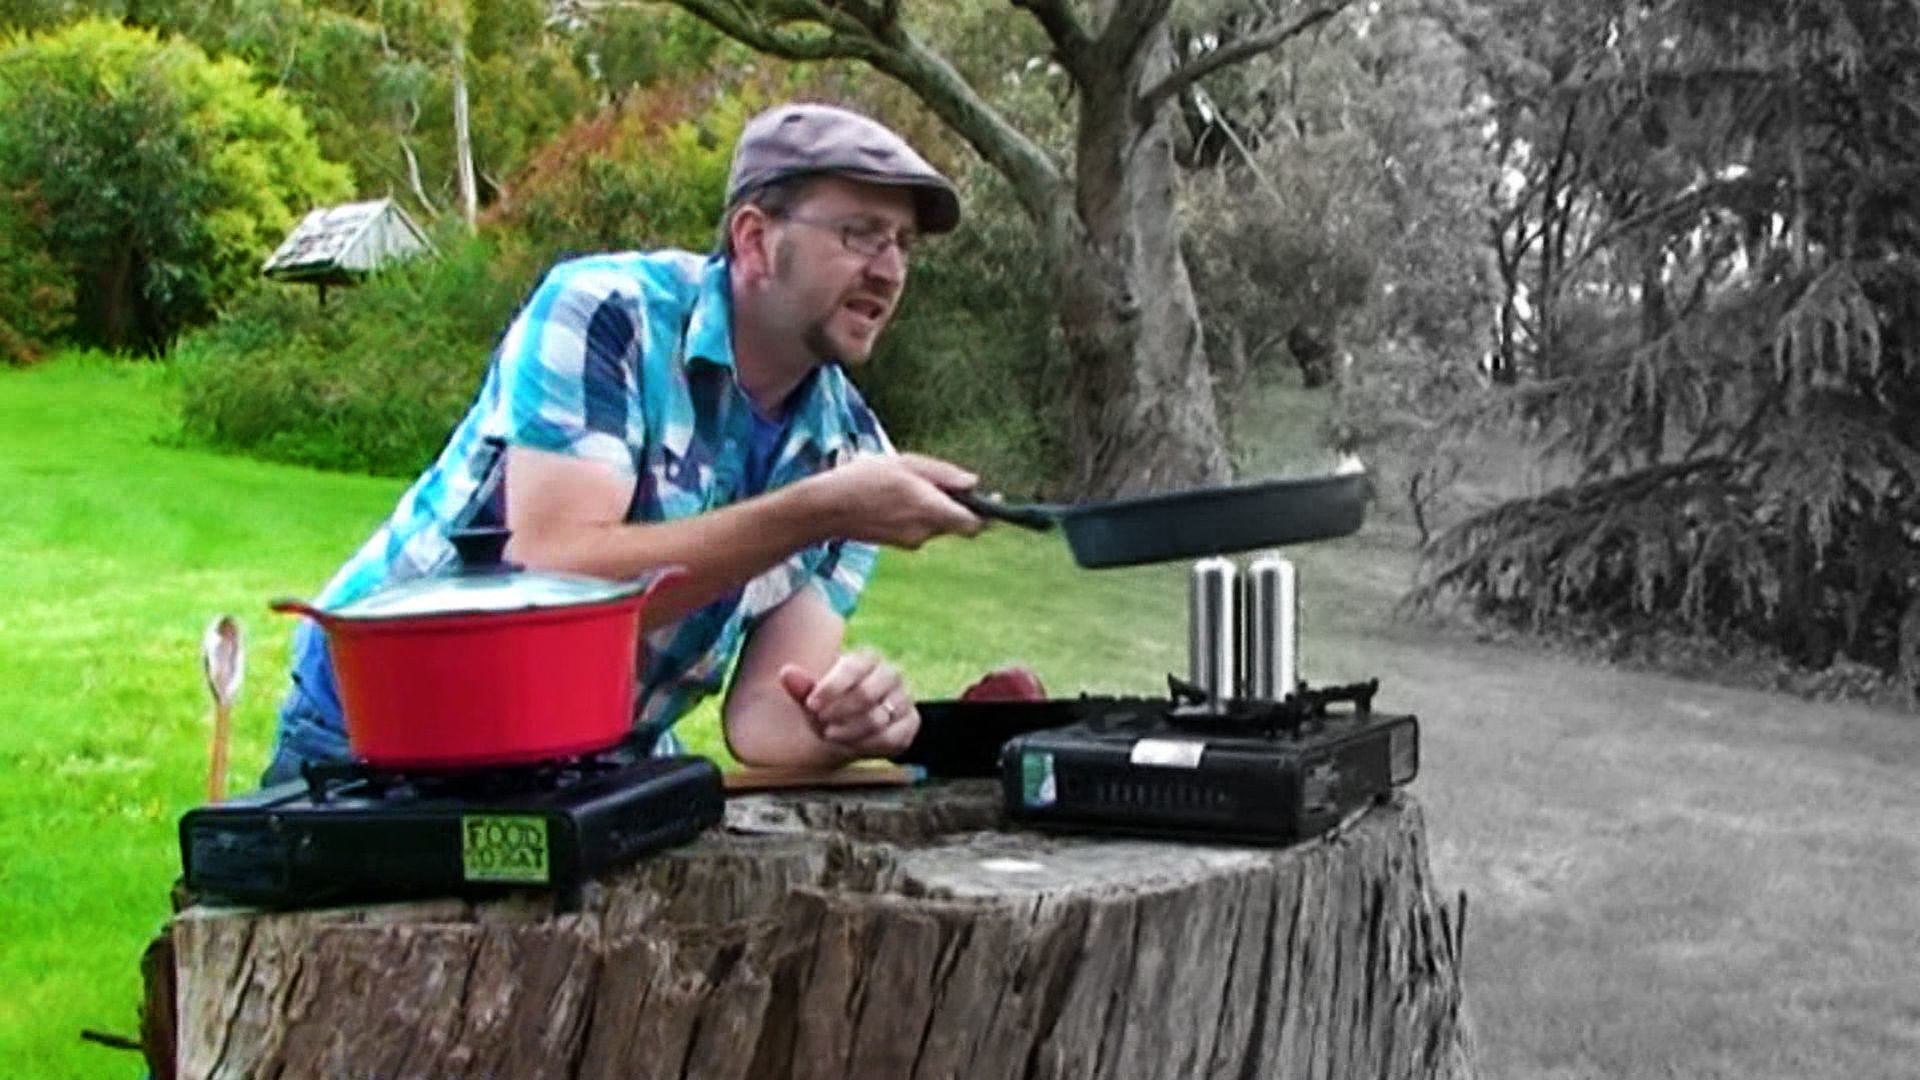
[(815, 337), (820, 345)]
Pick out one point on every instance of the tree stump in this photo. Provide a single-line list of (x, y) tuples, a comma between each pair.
[(899, 935)]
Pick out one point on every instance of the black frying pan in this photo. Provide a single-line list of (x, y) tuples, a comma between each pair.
[(1193, 523)]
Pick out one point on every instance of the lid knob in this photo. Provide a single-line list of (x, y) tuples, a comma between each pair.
[(482, 550)]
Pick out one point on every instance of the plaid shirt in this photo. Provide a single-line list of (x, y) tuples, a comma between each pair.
[(627, 359)]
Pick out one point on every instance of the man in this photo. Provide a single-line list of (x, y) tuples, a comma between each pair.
[(646, 410)]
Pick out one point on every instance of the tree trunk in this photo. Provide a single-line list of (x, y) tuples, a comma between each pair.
[(892, 936), (115, 289), (463, 138), (1141, 407)]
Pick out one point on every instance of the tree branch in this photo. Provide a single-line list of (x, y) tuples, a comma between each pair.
[(761, 28), (867, 30), (1233, 52), (1070, 39), (413, 178), (1036, 180)]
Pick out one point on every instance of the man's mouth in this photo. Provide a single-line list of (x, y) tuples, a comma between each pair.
[(867, 308)]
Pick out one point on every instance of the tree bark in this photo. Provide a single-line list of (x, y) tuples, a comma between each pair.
[(1141, 406), (894, 935), (116, 290)]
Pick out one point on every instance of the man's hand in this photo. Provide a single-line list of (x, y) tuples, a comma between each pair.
[(899, 500), (797, 700), (860, 703)]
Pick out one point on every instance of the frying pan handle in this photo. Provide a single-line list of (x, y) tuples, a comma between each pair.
[(1027, 516)]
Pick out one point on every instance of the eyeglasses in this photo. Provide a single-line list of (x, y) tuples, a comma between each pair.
[(867, 237)]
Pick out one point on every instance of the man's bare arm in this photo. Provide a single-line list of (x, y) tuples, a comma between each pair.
[(764, 724), (798, 699), (569, 514)]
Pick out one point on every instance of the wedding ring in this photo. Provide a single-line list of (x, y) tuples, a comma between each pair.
[(891, 715)]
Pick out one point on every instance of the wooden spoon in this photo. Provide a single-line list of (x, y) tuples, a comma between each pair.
[(223, 660)]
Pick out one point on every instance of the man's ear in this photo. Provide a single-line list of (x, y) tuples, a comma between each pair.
[(752, 241)]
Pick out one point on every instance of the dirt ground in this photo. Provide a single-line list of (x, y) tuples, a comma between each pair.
[(1666, 877)]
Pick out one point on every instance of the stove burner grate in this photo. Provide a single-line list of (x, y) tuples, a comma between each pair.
[(1191, 709), (327, 780)]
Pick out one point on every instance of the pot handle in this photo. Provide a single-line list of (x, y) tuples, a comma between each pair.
[(661, 578), (287, 605)]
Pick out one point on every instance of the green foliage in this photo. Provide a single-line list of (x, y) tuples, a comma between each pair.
[(47, 14), (344, 72), (634, 46), (36, 291), (377, 81), (158, 177), (372, 382), (502, 27), (648, 172), (519, 102)]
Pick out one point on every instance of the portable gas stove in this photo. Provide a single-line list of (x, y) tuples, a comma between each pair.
[(1242, 750), (1196, 768), (347, 833)]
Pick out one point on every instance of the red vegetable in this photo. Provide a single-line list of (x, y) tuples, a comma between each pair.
[(1006, 684)]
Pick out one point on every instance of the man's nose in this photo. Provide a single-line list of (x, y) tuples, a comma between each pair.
[(890, 264)]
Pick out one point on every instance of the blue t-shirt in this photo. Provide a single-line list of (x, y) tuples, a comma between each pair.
[(763, 448)]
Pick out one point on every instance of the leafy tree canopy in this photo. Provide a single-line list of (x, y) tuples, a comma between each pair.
[(154, 177), (377, 80)]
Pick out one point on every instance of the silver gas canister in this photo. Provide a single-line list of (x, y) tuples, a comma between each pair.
[(1272, 668), (1213, 627)]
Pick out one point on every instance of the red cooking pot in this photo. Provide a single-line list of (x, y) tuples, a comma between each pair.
[(493, 665)]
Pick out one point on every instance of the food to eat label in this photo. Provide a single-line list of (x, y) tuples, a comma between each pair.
[(1180, 753), (504, 847)]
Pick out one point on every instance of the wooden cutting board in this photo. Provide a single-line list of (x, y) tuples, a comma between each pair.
[(876, 772)]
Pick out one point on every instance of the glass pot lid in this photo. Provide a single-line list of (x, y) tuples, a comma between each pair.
[(518, 590), (483, 583)]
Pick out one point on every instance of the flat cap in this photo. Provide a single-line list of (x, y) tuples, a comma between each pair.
[(803, 139)]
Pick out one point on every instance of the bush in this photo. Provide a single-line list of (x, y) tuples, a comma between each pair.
[(373, 382), (158, 176), (36, 292)]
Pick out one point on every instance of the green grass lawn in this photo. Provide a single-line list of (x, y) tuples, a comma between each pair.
[(116, 552)]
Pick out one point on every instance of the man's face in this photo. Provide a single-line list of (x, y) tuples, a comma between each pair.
[(838, 265)]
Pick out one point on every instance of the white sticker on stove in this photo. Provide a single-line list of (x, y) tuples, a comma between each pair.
[(1011, 866), (1180, 753)]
